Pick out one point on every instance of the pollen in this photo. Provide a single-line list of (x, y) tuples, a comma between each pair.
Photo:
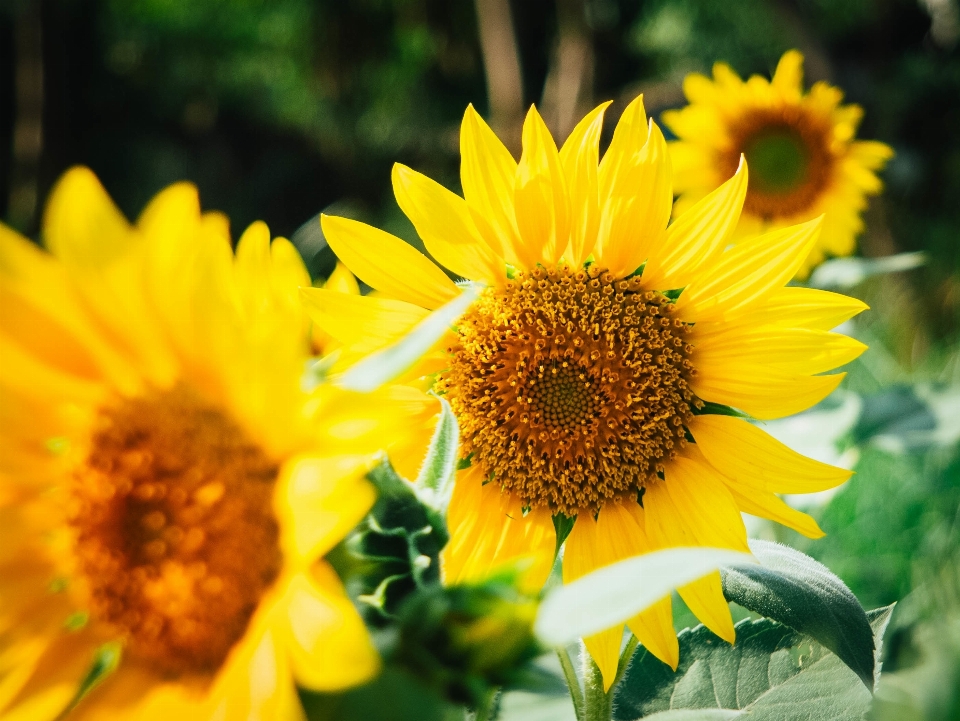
[(571, 387), (175, 537), (789, 156)]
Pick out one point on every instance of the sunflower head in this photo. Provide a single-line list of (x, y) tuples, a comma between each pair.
[(169, 487), (595, 379), (801, 146)]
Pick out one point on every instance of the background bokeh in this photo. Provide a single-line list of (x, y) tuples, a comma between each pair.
[(278, 109)]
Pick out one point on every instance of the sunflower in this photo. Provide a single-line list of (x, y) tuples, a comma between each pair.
[(801, 148), (594, 377), (168, 489)]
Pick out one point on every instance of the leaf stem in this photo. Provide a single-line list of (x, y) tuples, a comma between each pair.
[(573, 683), (597, 703), (625, 659)]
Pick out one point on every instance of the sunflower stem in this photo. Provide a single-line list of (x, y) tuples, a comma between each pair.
[(573, 682), (625, 659), (597, 703)]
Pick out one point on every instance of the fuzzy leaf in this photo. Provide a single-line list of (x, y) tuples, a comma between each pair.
[(772, 673), (435, 480), (803, 594)]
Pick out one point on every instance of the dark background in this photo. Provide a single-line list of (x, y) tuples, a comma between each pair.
[(277, 109)]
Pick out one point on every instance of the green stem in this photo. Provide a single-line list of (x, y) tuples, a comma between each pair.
[(487, 710), (597, 703), (625, 659), (573, 683)]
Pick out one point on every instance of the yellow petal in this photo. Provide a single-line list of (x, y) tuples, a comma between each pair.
[(253, 264), (788, 78), (540, 195), (444, 223), (81, 225), (698, 236), (580, 156), (388, 264), (693, 507), (797, 307), (363, 322), (762, 392), (654, 627), (790, 350), (637, 208), (751, 457), (619, 533), (342, 280), (746, 272), (328, 644), (629, 136), (767, 505), (488, 531), (319, 500), (488, 173)]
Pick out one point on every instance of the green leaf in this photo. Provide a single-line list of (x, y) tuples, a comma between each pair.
[(401, 540), (562, 525), (772, 673), (803, 594), (435, 480), (383, 366), (619, 591)]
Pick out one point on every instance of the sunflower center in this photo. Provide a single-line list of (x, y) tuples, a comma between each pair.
[(788, 153), (571, 386), (175, 535)]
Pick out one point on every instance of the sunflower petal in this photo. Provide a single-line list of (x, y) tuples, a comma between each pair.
[(444, 223), (388, 264), (637, 208), (488, 173), (363, 322), (328, 643), (540, 195), (319, 499), (698, 236), (767, 505), (752, 457), (762, 392), (580, 156), (747, 272)]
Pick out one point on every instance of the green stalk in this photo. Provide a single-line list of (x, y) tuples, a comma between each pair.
[(573, 683), (597, 704)]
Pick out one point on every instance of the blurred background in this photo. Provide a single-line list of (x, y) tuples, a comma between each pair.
[(278, 109)]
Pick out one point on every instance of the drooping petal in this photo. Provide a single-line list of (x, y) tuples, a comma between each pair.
[(698, 236), (388, 264), (488, 531), (693, 507), (444, 223), (319, 499), (752, 457), (746, 272), (328, 643), (767, 505), (580, 157), (540, 195)]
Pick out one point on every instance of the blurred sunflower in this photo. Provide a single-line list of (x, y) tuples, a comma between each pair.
[(168, 489), (801, 148), (587, 377)]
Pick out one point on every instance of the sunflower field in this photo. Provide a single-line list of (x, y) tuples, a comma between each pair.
[(476, 360)]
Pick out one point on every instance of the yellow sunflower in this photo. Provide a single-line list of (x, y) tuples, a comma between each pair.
[(589, 378), (167, 489), (801, 148)]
